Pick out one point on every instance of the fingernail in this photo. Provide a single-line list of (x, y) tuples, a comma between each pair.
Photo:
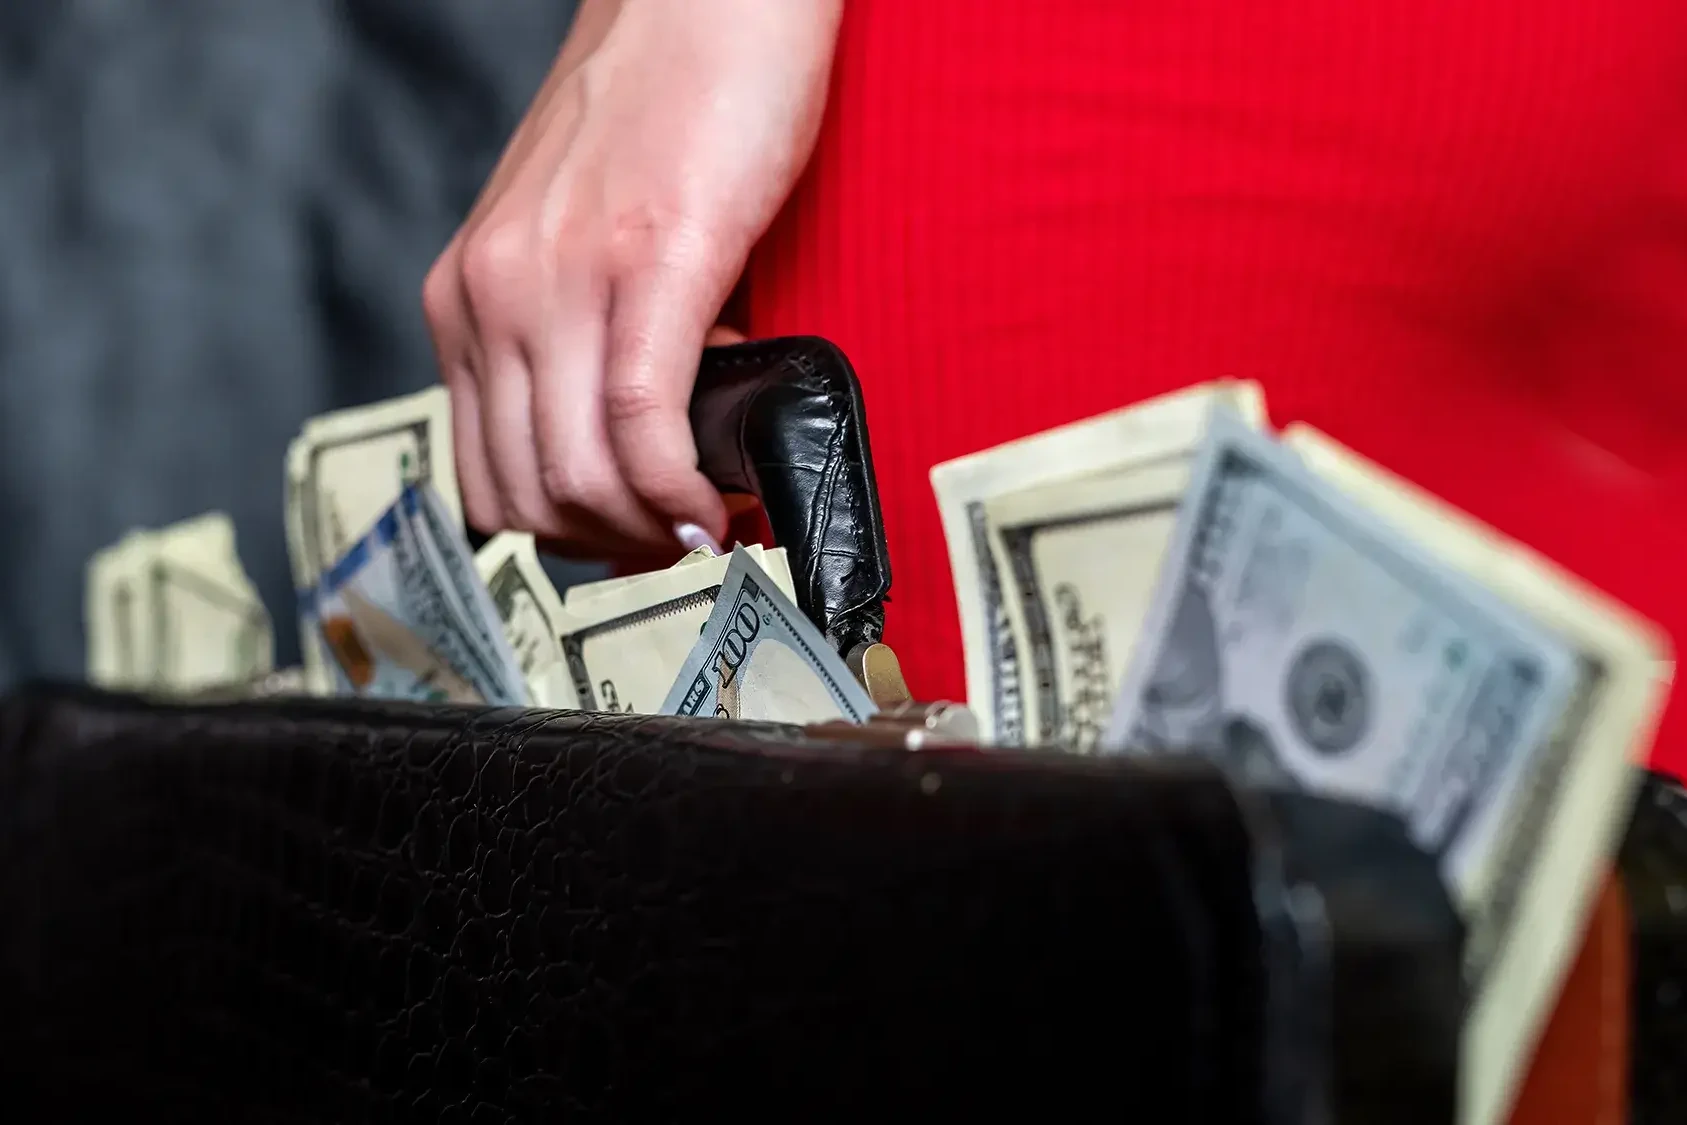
[(691, 537)]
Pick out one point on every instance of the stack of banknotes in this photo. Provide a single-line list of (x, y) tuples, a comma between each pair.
[(173, 609), (393, 604), (1170, 578), (1176, 578)]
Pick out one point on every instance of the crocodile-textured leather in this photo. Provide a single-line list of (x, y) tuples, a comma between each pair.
[(783, 420), (1654, 867), (340, 912)]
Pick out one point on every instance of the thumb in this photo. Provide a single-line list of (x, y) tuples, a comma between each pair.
[(658, 319)]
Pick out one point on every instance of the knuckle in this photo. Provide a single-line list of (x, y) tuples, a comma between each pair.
[(497, 259), (557, 479), (530, 514), (660, 478), (575, 482), (631, 400), (650, 236), (637, 227)]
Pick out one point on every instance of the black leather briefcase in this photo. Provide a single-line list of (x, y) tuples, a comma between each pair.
[(330, 912), (324, 911)]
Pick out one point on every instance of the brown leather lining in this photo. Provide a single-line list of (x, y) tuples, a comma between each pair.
[(1580, 1072)]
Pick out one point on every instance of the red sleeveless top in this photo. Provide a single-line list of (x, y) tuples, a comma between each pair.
[(1450, 233)]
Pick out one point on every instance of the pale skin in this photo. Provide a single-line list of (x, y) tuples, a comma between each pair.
[(570, 309)]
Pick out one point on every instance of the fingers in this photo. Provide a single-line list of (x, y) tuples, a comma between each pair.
[(448, 324), (577, 466), (502, 297), (507, 423), (662, 306), (521, 346), (481, 507), (571, 387)]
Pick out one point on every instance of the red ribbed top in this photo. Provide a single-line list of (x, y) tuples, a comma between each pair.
[(1450, 233)]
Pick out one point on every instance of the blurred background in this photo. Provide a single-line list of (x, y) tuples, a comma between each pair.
[(215, 218)]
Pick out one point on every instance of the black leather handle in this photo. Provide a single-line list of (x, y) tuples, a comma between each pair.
[(783, 420)]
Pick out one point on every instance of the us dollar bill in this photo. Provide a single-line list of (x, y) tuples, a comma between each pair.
[(1166, 427), (578, 596), (1077, 564), (118, 614), (1528, 906), (403, 620), (532, 615), (348, 467), (611, 645), (1305, 641), (173, 610), (623, 648), (760, 658), (208, 630)]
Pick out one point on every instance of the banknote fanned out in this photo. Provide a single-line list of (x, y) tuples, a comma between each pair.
[(404, 616), (1034, 657), (759, 658), (1302, 639), (1077, 562), (581, 594), (614, 645), (623, 649), (1529, 906), (344, 470), (531, 613), (1316, 624), (173, 611)]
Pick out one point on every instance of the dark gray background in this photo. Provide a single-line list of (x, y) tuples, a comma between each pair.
[(215, 217)]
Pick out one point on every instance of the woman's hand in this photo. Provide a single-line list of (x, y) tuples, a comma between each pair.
[(570, 310)]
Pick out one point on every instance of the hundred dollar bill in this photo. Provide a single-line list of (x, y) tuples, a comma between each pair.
[(402, 620), (1077, 563), (532, 615), (117, 613), (1530, 906), (623, 649), (173, 610), (348, 467), (1159, 429), (1305, 641), (611, 645), (204, 542), (207, 630), (760, 658), (577, 596)]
